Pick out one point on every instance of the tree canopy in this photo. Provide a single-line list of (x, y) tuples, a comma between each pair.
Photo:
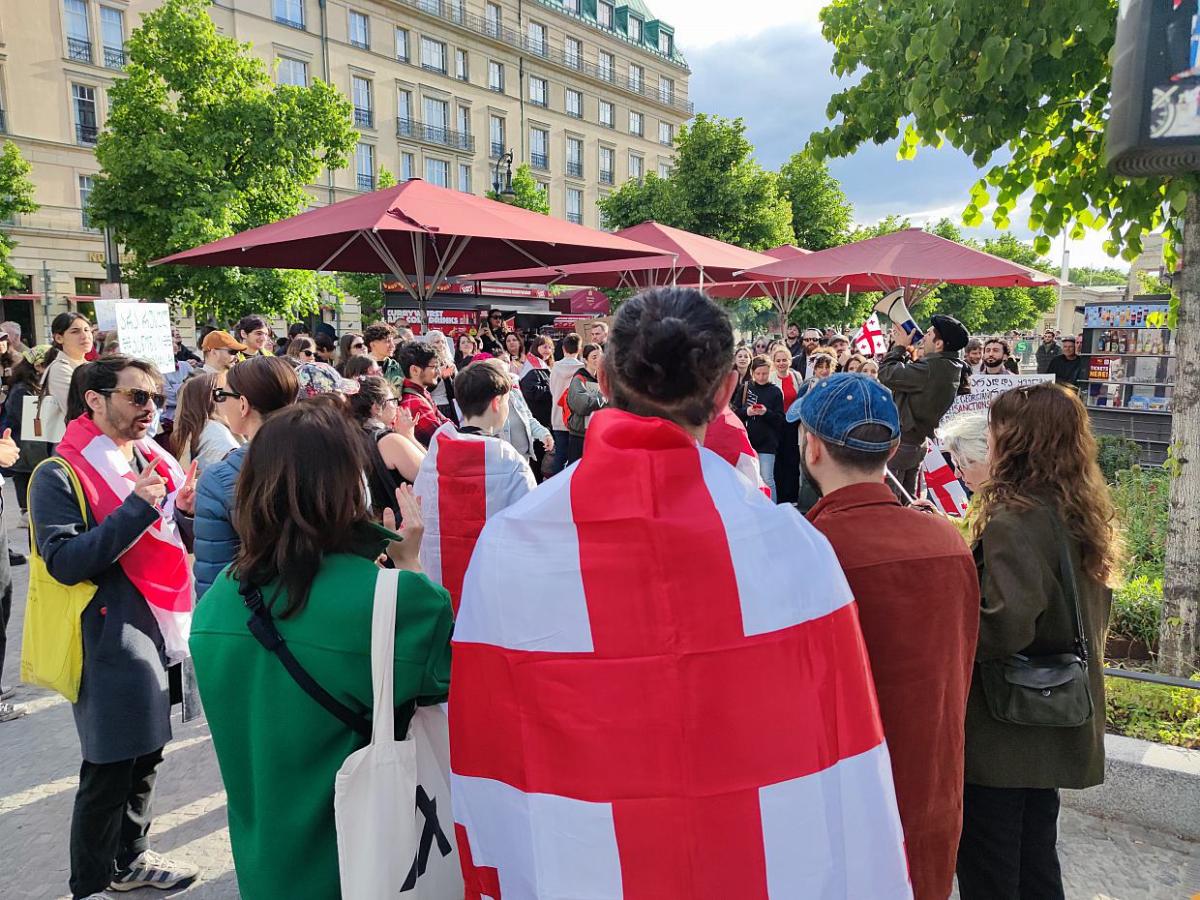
[(821, 214), (16, 196), (201, 144)]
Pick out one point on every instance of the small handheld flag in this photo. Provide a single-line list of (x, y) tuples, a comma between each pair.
[(870, 339), (944, 487)]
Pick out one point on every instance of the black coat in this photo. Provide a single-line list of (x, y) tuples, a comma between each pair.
[(764, 431), (535, 388)]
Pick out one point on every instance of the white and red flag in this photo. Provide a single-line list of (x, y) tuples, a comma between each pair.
[(683, 709), (726, 436), (870, 339), (463, 481), (944, 487)]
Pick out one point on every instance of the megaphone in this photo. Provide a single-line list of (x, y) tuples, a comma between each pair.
[(893, 306)]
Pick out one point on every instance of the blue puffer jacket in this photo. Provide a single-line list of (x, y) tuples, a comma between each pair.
[(216, 542)]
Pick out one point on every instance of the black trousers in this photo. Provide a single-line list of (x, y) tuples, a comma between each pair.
[(111, 819), (6, 589), (906, 466), (1008, 849), (574, 448), (787, 465)]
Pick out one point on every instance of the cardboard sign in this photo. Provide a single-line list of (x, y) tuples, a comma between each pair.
[(144, 331), (985, 388), (106, 313)]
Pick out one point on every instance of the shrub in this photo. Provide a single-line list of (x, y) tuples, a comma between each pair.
[(1136, 609), (1153, 712), (1141, 497), (1116, 454)]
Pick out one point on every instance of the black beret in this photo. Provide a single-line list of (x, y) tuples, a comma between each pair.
[(951, 331)]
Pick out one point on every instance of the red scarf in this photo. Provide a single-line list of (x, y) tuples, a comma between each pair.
[(156, 562)]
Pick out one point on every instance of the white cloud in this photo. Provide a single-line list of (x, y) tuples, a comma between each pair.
[(700, 23)]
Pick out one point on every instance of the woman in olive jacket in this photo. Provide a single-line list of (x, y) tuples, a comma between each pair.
[(1045, 487)]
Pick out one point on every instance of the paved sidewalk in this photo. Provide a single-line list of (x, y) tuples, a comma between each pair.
[(39, 764)]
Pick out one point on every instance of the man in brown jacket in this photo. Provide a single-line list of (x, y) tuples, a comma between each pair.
[(914, 581)]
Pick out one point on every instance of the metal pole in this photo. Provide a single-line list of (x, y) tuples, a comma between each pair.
[(46, 302)]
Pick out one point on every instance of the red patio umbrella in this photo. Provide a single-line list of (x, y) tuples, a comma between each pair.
[(685, 258), (418, 233), (582, 301), (784, 293)]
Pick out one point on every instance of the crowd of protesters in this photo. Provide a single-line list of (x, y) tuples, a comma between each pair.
[(278, 440)]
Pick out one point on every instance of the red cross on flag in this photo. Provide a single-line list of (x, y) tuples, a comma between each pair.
[(726, 436), (681, 707), (945, 488), (464, 479), (870, 339)]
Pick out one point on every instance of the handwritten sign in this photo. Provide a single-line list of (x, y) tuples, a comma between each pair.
[(144, 331), (985, 389)]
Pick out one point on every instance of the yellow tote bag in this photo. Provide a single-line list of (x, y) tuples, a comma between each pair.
[(52, 648)]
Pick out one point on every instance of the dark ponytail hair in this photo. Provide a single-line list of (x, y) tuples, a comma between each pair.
[(372, 389), (669, 351), (267, 382)]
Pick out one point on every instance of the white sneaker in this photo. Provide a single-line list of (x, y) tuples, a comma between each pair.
[(152, 870)]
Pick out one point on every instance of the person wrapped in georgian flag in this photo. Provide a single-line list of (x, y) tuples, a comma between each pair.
[(683, 706), (726, 436), (468, 475)]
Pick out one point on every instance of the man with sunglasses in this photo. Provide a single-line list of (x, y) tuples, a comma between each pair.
[(127, 542), (220, 352), (802, 351)]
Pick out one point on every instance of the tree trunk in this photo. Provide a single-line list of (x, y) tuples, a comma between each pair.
[(1179, 632)]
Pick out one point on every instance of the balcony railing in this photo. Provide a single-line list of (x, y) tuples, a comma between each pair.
[(79, 49), (3, 123), (114, 57), (452, 12), (86, 134), (364, 118), (539, 160), (497, 149), (289, 22), (577, 218), (435, 134), (606, 177), (575, 169), (366, 182)]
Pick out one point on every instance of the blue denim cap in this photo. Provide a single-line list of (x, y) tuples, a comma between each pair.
[(835, 406)]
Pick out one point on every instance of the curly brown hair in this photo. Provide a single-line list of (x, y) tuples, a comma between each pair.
[(1043, 450)]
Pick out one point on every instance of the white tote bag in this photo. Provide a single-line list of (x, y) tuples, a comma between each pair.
[(42, 419), (391, 827)]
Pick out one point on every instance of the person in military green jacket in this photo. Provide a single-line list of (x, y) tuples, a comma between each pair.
[(923, 389), (309, 546)]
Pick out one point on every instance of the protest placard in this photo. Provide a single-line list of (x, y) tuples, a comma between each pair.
[(106, 313), (985, 388), (144, 331)]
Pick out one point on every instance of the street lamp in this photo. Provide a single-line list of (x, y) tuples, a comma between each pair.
[(506, 194)]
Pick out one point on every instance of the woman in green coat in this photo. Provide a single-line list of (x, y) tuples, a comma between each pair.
[(1045, 491), (309, 546)]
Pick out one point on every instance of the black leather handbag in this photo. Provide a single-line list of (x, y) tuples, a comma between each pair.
[(1049, 691)]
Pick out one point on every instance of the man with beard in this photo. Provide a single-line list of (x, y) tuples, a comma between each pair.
[(973, 356), (1046, 351), (103, 511), (1067, 367), (996, 359), (921, 643), (419, 363)]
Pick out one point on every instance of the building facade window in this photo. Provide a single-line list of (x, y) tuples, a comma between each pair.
[(493, 19), (433, 55), (573, 52), (575, 206), (88, 287), (496, 139), (571, 6), (464, 177), (636, 123), (574, 157), (636, 166), (112, 34), (360, 30), (574, 103), (608, 116), (539, 148), (666, 133), (437, 171), (538, 91), (664, 42), (496, 76), (606, 65), (79, 30), (289, 12), (664, 170), (635, 29), (402, 45), (437, 120), (404, 113), (464, 122), (364, 166), (462, 65), (83, 99), (85, 198), (408, 166), (608, 159), (666, 89), (292, 71), (537, 39), (363, 100), (604, 14), (637, 77)]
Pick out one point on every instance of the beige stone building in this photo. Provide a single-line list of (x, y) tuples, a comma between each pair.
[(588, 92)]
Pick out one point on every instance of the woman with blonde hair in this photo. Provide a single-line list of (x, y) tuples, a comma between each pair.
[(1046, 550), (787, 457)]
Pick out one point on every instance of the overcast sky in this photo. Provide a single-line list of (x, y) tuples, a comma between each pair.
[(769, 64)]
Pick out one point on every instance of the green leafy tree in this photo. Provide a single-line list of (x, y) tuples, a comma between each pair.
[(16, 196), (716, 189), (1090, 276), (1023, 88), (529, 194), (201, 144), (367, 287), (821, 214)]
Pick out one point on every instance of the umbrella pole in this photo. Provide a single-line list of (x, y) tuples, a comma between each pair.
[(418, 244), (382, 251)]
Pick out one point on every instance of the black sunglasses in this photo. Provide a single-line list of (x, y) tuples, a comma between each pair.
[(137, 395), (220, 394), (309, 353)]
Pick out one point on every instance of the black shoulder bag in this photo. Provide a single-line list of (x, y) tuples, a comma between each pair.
[(1050, 691)]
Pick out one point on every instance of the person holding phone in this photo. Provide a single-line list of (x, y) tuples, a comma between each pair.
[(759, 404)]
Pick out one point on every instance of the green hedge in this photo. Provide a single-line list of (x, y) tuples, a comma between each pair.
[(1153, 712)]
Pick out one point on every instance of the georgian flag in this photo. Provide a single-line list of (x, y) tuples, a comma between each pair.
[(681, 706), (726, 436), (870, 339), (463, 481), (944, 487)]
